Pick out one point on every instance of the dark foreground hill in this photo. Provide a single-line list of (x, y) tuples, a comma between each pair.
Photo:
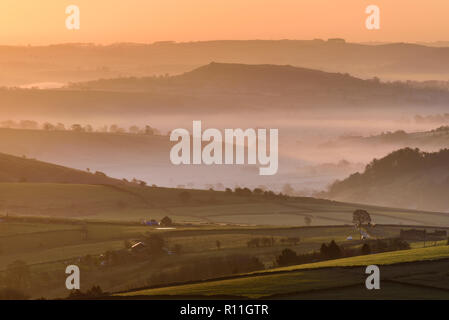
[(16, 169), (407, 178)]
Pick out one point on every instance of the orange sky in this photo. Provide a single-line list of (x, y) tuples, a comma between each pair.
[(108, 21)]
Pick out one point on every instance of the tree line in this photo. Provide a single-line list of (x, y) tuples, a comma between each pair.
[(331, 250), (76, 127)]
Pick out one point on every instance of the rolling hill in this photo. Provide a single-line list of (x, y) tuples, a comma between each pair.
[(80, 62), (16, 169), (119, 155), (405, 178), (218, 88), (272, 80), (403, 268), (31, 187)]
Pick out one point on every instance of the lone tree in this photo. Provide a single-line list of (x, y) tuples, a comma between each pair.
[(359, 217)]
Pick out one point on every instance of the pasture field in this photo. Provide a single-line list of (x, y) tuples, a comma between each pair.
[(39, 242), (133, 203), (48, 226), (48, 245), (340, 278)]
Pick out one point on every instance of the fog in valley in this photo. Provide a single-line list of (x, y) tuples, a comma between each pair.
[(328, 121)]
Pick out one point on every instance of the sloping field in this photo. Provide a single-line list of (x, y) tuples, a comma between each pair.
[(307, 277), (134, 203)]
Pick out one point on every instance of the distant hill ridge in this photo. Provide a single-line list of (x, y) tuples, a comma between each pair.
[(220, 87), (277, 76), (392, 60), (265, 78)]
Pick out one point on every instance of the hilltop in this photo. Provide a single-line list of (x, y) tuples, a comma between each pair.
[(407, 178), (218, 88), (267, 80), (236, 78)]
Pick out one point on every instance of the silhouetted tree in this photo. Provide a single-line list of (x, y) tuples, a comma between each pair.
[(331, 251), (287, 257), (359, 217), (334, 250)]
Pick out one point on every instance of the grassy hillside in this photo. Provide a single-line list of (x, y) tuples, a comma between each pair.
[(405, 178), (31, 187), (119, 155), (134, 203), (48, 245), (318, 276), (16, 169), (385, 258)]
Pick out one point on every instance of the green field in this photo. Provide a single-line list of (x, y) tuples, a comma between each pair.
[(48, 226), (385, 258), (319, 276), (48, 245), (133, 204)]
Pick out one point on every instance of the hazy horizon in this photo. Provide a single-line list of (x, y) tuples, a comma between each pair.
[(133, 21), (439, 43)]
